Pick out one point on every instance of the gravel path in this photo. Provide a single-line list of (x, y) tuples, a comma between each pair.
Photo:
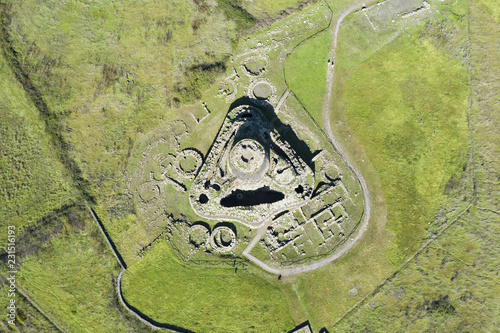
[(366, 197)]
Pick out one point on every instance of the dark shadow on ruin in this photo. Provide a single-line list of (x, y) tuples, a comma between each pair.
[(203, 223), (284, 130), (227, 224)]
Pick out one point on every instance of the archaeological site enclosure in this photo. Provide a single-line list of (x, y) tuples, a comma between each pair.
[(270, 188), (249, 165)]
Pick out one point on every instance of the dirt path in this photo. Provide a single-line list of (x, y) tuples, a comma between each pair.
[(366, 197), (282, 100), (246, 253)]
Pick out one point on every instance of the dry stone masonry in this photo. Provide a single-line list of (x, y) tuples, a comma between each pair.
[(251, 173), (271, 187)]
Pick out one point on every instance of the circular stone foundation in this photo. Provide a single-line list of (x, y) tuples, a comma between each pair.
[(198, 235), (188, 162), (148, 191), (255, 66), (262, 90), (247, 156), (223, 239)]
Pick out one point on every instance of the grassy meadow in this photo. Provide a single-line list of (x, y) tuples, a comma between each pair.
[(31, 320), (66, 278), (72, 279), (271, 9), (204, 299), (490, 8), (407, 107), (453, 284), (305, 73), (306, 65), (450, 287), (111, 73), (33, 182)]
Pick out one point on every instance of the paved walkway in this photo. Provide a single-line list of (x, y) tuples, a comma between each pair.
[(282, 101)]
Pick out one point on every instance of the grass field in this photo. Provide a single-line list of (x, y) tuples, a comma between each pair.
[(407, 107), (306, 66), (204, 299), (490, 7), (453, 285), (305, 73), (72, 279), (30, 319), (263, 8), (450, 287), (32, 180), (362, 76), (112, 75)]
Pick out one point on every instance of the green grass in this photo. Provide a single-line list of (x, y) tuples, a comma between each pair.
[(234, 10), (407, 108), (486, 109), (204, 299), (305, 73), (324, 293), (72, 279), (112, 72), (32, 180), (263, 8), (306, 66), (450, 287), (491, 7), (28, 317), (453, 285)]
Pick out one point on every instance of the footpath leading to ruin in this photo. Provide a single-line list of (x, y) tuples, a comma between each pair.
[(246, 253), (366, 197)]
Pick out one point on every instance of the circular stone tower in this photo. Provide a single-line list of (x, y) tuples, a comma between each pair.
[(248, 160)]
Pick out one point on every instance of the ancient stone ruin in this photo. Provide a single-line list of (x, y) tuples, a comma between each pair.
[(271, 188), (251, 173)]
